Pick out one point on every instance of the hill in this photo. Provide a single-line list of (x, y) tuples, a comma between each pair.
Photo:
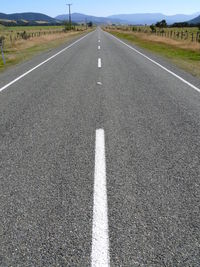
[(26, 19), (81, 18), (137, 19), (150, 18), (195, 21)]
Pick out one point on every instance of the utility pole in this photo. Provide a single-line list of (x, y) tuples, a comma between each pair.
[(70, 18), (86, 25)]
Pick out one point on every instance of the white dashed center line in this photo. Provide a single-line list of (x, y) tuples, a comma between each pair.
[(99, 47), (100, 239), (99, 62)]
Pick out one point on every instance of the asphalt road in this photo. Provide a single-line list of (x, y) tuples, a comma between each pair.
[(99, 160)]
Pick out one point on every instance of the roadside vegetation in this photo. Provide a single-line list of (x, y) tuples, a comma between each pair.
[(22, 42), (180, 45)]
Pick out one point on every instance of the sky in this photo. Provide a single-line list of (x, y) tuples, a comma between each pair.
[(101, 7)]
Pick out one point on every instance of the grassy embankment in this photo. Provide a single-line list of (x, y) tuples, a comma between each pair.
[(183, 53), (17, 50)]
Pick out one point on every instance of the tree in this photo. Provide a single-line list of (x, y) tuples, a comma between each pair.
[(180, 25), (153, 28), (90, 24), (161, 24)]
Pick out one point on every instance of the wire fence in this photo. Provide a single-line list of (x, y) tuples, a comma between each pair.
[(11, 37), (188, 34)]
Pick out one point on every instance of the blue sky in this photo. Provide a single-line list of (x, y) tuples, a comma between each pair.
[(101, 7)]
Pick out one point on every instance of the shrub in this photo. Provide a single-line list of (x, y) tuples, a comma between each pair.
[(161, 24), (153, 28), (90, 24), (24, 35)]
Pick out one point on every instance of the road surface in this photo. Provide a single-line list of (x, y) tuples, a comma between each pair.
[(99, 159)]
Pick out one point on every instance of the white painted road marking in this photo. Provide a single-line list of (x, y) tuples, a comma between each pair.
[(42, 63), (100, 238), (99, 83), (99, 41), (99, 62), (158, 64), (99, 47)]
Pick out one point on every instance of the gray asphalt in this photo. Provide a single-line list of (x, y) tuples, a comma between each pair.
[(48, 121)]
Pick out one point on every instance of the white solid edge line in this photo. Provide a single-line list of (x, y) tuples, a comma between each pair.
[(100, 237), (42, 63), (99, 62), (159, 65)]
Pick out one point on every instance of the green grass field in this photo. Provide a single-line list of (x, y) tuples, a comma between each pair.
[(34, 28), (29, 28)]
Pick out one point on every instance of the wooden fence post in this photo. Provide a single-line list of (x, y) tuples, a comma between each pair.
[(198, 37), (1, 48)]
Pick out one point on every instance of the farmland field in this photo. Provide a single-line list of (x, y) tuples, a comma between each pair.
[(184, 33), (29, 28), (148, 29), (11, 34), (22, 42)]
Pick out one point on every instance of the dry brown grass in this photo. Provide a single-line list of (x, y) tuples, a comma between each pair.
[(24, 44), (184, 44), (177, 43), (24, 49)]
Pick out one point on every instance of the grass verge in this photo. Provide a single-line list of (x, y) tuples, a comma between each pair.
[(186, 57), (26, 49)]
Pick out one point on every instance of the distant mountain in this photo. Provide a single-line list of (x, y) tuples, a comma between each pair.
[(150, 18), (137, 19), (81, 18), (27, 18), (195, 21)]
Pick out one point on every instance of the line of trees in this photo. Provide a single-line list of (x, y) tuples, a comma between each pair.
[(163, 24), (72, 26), (28, 23), (34, 23)]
